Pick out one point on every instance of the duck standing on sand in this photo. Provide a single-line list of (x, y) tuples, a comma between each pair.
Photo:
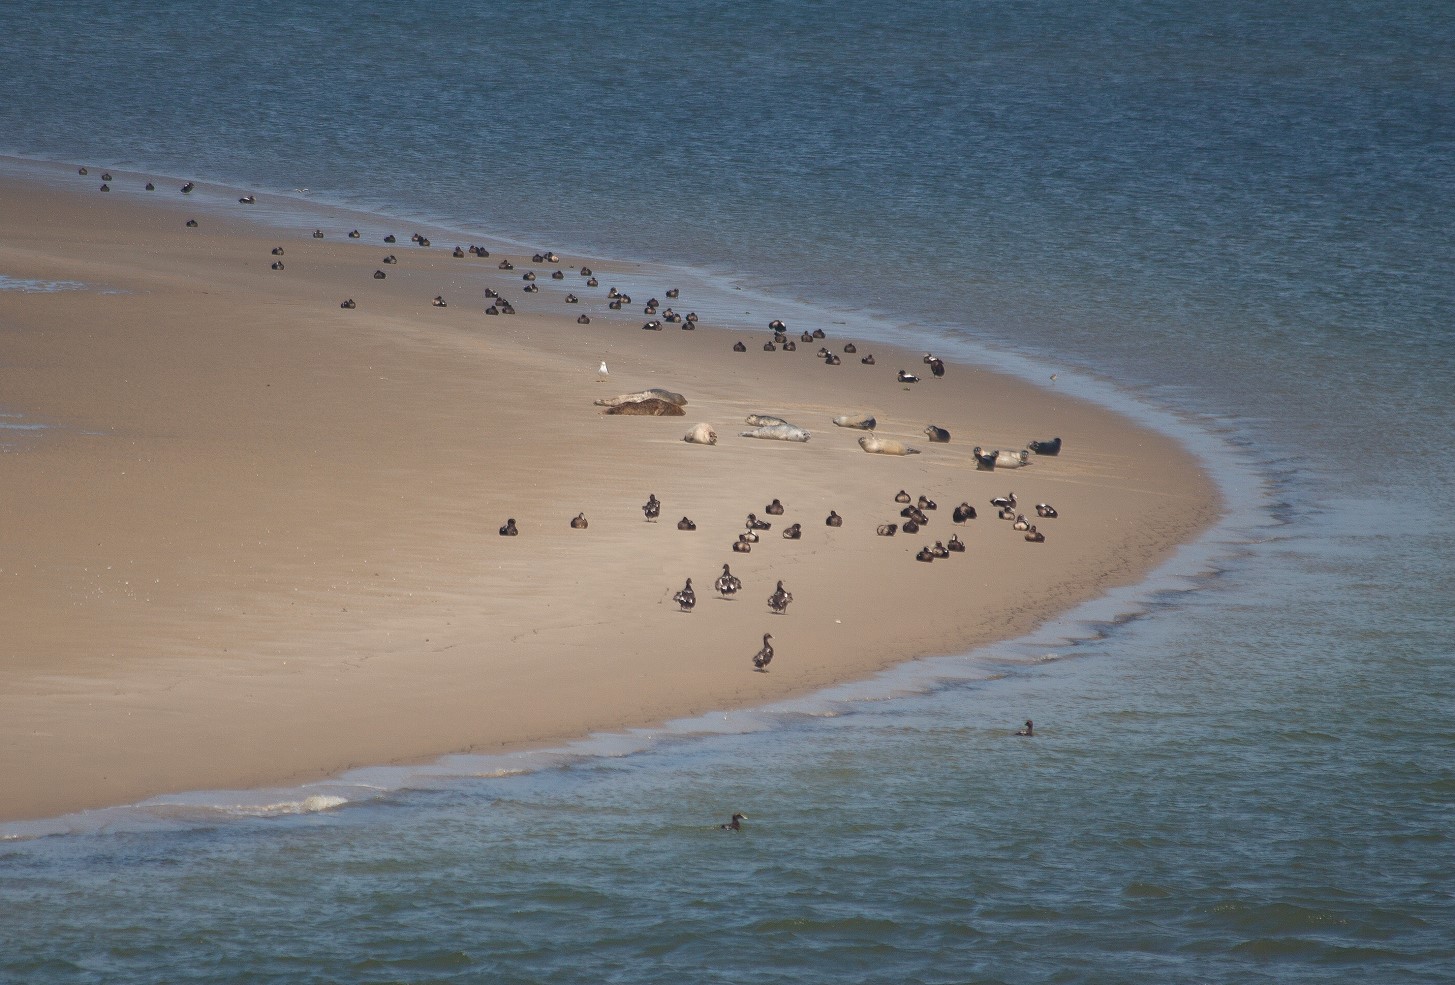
[(764, 657), (686, 598), (779, 600), (727, 584), (652, 508)]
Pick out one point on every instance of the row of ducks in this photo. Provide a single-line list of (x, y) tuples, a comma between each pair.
[(727, 585)]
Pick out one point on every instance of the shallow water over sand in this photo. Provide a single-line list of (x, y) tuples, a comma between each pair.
[(1238, 215)]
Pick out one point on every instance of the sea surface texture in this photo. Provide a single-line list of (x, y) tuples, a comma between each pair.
[(1232, 219)]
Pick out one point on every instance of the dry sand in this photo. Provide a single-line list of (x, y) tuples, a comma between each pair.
[(258, 542)]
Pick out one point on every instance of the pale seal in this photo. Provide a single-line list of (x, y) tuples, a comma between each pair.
[(864, 422), (780, 432), (655, 393), (876, 445), (759, 420), (701, 434)]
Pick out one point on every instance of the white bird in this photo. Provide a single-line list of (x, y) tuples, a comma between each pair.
[(601, 373)]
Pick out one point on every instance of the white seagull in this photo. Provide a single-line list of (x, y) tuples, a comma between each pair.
[(601, 373)]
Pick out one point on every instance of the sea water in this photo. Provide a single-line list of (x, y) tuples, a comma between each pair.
[(1231, 220)]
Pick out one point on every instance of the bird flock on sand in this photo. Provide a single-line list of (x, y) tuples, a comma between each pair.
[(914, 513)]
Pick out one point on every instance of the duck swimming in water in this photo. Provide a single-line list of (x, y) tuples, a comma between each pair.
[(1028, 730), (736, 824)]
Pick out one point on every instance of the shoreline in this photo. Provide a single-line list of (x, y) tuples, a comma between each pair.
[(278, 560)]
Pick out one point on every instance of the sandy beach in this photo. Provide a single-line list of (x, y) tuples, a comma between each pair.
[(257, 540)]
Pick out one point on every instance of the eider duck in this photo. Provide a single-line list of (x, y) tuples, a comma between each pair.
[(790, 347), (531, 288), (579, 522), (692, 317), (348, 304), (777, 325), (686, 524), (1028, 730), (583, 320), (940, 550), (955, 544), (1034, 536), (593, 282), (390, 239), (191, 223), (246, 200), (572, 299), (528, 275), (652, 507), (736, 824), (769, 347), (868, 360), (187, 188), (509, 529), (727, 583), (672, 292), (1046, 511), (774, 508), (907, 377), (850, 349), (886, 529), (686, 598), (318, 234), (585, 271), (1003, 502), (439, 301), (277, 264), (277, 251), (818, 333), (492, 310), (458, 253), (925, 554), (779, 600), (937, 368), (741, 546), (82, 172), (963, 512), (901, 497), (833, 520), (151, 187), (910, 527), (652, 326), (354, 234), (764, 657), (379, 275), (391, 258), (1021, 523), (749, 536), (755, 524), (925, 503), (105, 187), (794, 532)]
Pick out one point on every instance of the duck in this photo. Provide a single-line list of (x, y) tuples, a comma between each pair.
[(736, 824), (741, 546), (755, 524), (593, 282), (925, 503), (247, 200), (583, 320), (585, 271), (673, 293), (790, 346), (105, 175), (850, 349), (886, 529), (277, 264), (187, 189), (391, 258), (686, 524), (868, 360), (379, 275), (531, 288), (749, 536), (1046, 511), (940, 550), (1004, 502), (818, 333), (794, 532), (833, 520), (963, 512), (1021, 523), (509, 529), (458, 253), (349, 303), (1027, 730), (390, 238), (439, 301), (151, 187), (105, 187), (652, 507), (774, 508), (354, 234), (779, 600), (777, 325), (764, 657), (692, 317), (902, 497), (910, 527), (572, 299), (769, 347), (686, 598), (832, 360), (925, 554), (1034, 536), (277, 251), (579, 522), (907, 377), (739, 347), (191, 223), (727, 584), (955, 544), (937, 368)]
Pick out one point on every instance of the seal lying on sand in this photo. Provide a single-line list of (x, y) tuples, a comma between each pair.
[(876, 445), (936, 433), (1001, 459), (782, 431), (651, 407), (763, 420), (655, 393), (864, 422), (701, 434)]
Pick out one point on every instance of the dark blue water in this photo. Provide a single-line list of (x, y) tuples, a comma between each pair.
[(1232, 218)]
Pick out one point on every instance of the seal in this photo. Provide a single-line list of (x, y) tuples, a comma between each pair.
[(655, 393), (651, 407), (936, 433), (876, 445), (701, 434), (778, 432), (760, 420), (1001, 459), (1052, 447), (862, 421)]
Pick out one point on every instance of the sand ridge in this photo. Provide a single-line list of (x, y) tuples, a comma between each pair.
[(259, 544)]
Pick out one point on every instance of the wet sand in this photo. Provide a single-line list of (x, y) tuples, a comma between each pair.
[(257, 541)]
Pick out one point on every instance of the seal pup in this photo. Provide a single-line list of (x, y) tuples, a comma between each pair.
[(727, 584), (652, 507), (764, 657), (902, 496), (774, 508), (701, 434), (907, 377), (963, 512), (1028, 730), (509, 529), (936, 433), (686, 598), (876, 445), (579, 522), (779, 600), (736, 824), (1052, 447), (863, 422), (833, 520), (794, 532), (686, 524), (955, 544)]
